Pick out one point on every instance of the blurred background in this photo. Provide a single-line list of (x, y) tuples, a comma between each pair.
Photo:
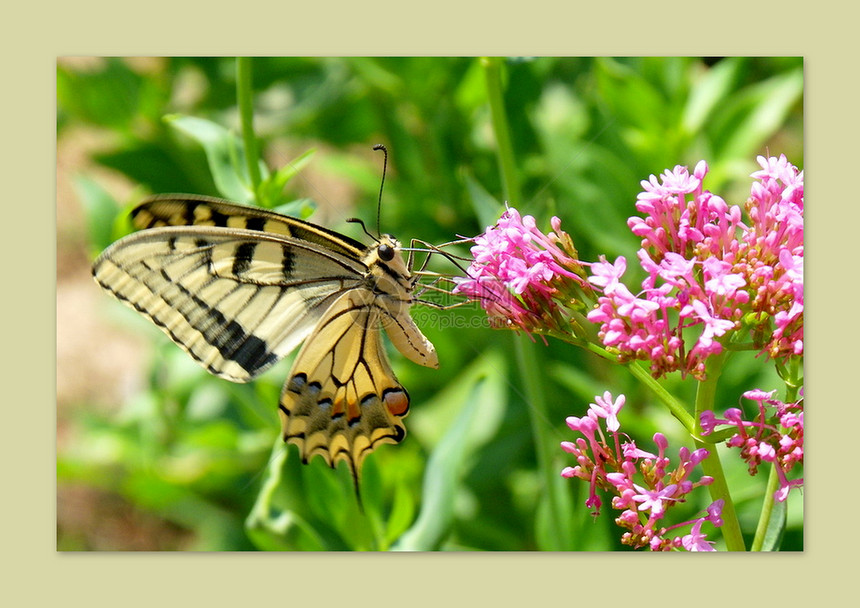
[(155, 454)]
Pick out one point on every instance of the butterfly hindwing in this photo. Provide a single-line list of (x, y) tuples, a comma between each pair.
[(342, 398)]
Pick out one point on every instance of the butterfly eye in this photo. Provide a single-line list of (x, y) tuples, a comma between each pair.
[(386, 252)]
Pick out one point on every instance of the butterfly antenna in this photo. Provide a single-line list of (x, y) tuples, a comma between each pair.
[(360, 222), (384, 167)]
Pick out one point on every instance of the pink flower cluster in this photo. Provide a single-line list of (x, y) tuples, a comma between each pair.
[(709, 273), (777, 440), (644, 488), (520, 275)]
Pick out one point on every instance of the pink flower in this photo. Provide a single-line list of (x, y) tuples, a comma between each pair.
[(643, 485), (606, 275), (709, 273), (604, 407), (654, 500), (522, 277), (631, 452), (695, 540), (712, 326), (715, 512), (761, 441)]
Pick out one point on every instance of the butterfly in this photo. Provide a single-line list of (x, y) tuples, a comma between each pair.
[(240, 287)]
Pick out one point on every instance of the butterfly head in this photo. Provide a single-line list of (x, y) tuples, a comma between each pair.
[(387, 248), (385, 254)]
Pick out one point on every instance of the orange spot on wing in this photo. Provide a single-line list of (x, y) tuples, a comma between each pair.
[(397, 401)]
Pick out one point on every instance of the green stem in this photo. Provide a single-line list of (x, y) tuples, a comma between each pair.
[(245, 97), (766, 510), (675, 406), (792, 386), (505, 151), (557, 532), (261, 512), (795, 379), (712, 466)]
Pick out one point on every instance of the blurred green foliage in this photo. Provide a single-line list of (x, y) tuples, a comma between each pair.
[(197, 452)]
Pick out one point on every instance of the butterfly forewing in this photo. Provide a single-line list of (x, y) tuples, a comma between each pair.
[(235, 300), (239, 288), (185, 210)]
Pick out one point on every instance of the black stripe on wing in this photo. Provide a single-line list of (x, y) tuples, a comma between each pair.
[(194, 210)]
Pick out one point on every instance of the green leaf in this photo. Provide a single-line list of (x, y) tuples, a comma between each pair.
[(101, 209), (272, 187), (277, 529), (401, 515), (479, 396), (758, 113), (153, 167), (110, 94), (225, 154), (776, 527), (630, 97), (487, 209), (709, 93)]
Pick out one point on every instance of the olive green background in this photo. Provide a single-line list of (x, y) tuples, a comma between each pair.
[(443, 28)]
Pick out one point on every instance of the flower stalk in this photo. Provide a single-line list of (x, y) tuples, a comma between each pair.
[(526, 361), (245, 97), (712, 466), (505, 150)]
